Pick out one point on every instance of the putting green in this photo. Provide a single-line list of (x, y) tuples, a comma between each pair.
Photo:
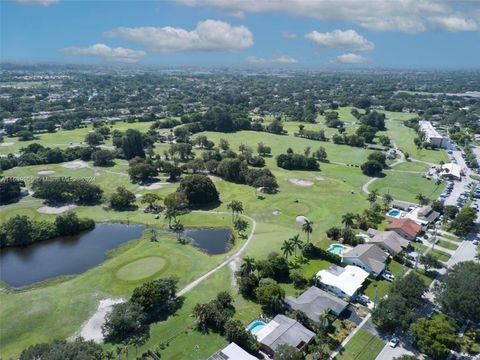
[(141, 268)]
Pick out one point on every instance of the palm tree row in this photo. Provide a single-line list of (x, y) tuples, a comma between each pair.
[(290, 246)]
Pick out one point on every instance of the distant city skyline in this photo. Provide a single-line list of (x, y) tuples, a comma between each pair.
[(264, 34)]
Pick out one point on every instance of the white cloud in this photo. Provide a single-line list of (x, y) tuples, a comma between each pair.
[(107, 53), (351, 58), (276, 59), (348, 39), (288, 35), (37, 2), (408, 16), (209, 35)]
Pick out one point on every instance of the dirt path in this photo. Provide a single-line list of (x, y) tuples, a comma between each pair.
[(233, 257)]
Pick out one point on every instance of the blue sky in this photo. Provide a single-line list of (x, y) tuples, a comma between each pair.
[(294, 33)]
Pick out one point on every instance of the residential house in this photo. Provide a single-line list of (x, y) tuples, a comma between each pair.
[(389, 241), (451, 171), (423, 215), (369, 257), (405, 227), (232, 352), (344, 282), (402, 205), (315, 301), (283, 330)]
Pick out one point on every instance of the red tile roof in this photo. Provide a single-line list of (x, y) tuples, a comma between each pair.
[(408, 226)]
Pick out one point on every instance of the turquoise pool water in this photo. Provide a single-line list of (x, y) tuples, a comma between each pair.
[(336, 249), (393, 213), (256, 326)]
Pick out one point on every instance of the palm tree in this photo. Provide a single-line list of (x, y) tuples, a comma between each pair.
[(118, 350), (287, 248), (347, 220), (296, 243), (109, 355), (236, 207), (178, 228), (372, 197), (307, 228), (422, 199), (276, 302), (324, 319), (248, 265), (387, 199)]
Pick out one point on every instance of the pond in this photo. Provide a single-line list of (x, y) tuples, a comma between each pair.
[(64, 256), (210, 240)]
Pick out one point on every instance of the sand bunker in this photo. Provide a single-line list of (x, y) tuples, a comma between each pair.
[(276, 212), (7, 144), (46, 172), (55, 210), (75, 165), (303, 183), (92, 330), (154, 186), (301, 219), (319, 178)]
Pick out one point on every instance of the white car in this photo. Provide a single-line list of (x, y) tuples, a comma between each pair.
[(393, 341), (389, 277)]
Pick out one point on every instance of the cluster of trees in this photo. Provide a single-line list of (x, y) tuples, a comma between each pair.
[(397, 311), (66, 350), (311, 134), (141, 170), (293, 161), (375, 164), (36, 154), (199, 190), (464, 222), (217, 315), (352, 140), (222, 119), (10, 189), (58, 190), (122, 199), (128, 322), (20, 230)]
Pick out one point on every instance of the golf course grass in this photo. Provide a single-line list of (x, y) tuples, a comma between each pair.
[(57, 308), (141, 269)]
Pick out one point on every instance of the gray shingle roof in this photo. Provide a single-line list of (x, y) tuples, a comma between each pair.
[(315, 301), (370, 254), (390, 241), (288, 331)]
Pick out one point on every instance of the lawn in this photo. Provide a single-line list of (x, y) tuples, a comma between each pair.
[(405, 186), (447, 245), (362, 346), (440, 255), (377, 289), (412, 166)]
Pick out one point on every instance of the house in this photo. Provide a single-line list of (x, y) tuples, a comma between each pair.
[(451, 171), (232, 352), (315, 301), (376, 147), (402, 205), (369, 257), (423, 215), (405, 227), (389, 241), (283, 330), (344, 282)]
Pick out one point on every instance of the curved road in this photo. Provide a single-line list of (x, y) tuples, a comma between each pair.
[(231, 258)]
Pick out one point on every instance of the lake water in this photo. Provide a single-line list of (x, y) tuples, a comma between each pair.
[(64, 256), (212, 241)]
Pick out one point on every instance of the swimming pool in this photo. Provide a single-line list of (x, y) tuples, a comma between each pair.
[(256, 326), (337, 249), (394, 213)]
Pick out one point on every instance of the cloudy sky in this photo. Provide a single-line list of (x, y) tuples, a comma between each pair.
[(264, 33)]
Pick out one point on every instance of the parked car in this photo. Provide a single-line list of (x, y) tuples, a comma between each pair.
[(387, 276), (394, 341)]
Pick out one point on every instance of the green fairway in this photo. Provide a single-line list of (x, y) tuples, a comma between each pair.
[(362, 346), (412, 166), (405, 186), (141, 269)]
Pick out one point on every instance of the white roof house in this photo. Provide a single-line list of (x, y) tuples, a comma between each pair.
[(451, 170), (232, 352), (343, 281)]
